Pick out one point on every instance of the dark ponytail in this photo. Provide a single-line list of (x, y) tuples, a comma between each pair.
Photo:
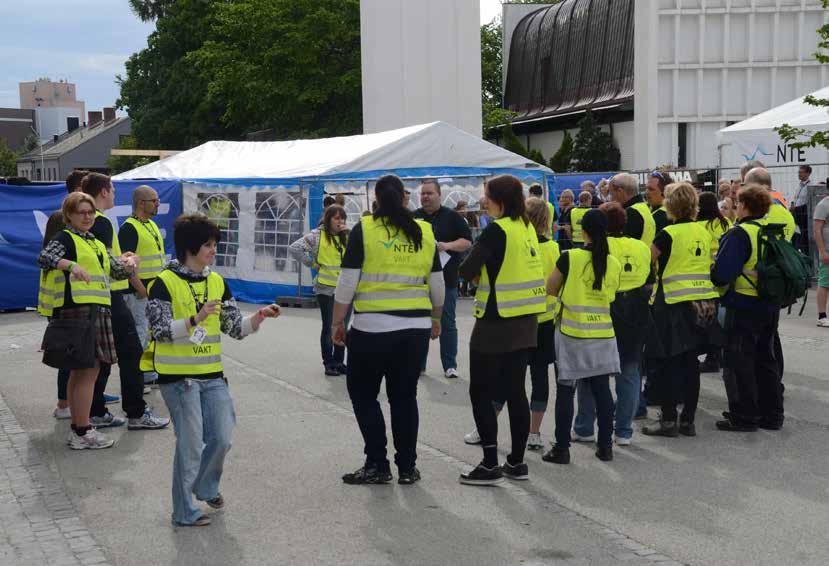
[(388, 193), (594, 223)]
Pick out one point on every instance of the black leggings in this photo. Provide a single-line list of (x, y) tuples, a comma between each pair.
[(500, 377), (680, 384)]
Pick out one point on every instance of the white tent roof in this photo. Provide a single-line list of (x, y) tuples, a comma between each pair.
[(795, 113), (428, 145)]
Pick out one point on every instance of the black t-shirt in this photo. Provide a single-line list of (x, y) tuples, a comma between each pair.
[(635, 225), (355, 255), (448, 226), (103, 231), (660, 218)]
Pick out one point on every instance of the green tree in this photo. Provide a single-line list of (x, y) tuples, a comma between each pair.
[(593, 149), (290, 66), (801, 137), (560, 161), (8, 160), (511, 141)]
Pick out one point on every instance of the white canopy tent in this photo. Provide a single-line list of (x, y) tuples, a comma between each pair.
[(428, 145)]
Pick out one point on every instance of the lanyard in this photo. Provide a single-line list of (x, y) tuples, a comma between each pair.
[(199, 305), (152, 233)]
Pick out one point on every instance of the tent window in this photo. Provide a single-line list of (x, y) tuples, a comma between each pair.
[(279, 222), (223, 209)]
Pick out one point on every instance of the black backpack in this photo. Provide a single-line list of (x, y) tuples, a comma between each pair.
[(783, 271)]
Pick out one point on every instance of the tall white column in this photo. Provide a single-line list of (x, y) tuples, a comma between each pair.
[(645, 103)]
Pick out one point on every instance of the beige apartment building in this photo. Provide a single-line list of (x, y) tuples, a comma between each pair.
[(43, 93)]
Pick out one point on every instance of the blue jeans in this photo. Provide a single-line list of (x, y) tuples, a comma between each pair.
[(628, 384), (203, 418), (448, 332), (331, 355)]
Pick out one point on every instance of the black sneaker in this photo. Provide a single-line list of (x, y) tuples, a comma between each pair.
[(687, 429), (731, 425), (516, 471), (770, 424), (366, 475), (409, 477), (557, 455), (662, 428), (331, 371), (604, 453), (481, 475)]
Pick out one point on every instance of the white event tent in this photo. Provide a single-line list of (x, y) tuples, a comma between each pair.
[(265, 195)]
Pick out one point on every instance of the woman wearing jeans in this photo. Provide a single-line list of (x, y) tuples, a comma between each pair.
[(322, 249), (189, 308), (586, 281)]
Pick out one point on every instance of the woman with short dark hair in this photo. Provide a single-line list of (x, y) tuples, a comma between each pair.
[(189, 308), (507, 259)]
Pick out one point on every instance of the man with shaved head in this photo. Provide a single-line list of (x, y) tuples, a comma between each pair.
[(779, 212), (140, 235)]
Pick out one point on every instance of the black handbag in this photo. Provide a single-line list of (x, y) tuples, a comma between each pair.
[(69, 343)]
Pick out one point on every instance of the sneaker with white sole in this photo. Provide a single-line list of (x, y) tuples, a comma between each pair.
[(107, 421), (92, 440), (823, 322), (148, 421), (451, 373), (62, 413), (472, 437), (580, 438), (534, 441), (622, 441)]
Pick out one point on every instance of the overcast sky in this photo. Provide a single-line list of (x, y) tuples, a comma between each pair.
[(83, 41)]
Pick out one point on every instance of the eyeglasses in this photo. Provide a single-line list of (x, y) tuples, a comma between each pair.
[(150, 200), (84, 212)]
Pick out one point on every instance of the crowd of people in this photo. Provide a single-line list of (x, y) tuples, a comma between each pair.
[(610, 286)]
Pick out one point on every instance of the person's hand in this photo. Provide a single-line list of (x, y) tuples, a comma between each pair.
[(270, 311), (338, 333), (824, 257), (80, 273), (210, 307), (435, 334), (442, 246)]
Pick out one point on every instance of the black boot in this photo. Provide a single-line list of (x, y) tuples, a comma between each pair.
[(604, 453), (557, 455)]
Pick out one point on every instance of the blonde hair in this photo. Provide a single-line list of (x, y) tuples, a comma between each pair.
[(72, 202), (681, 201), (567, 193), (538, 213)]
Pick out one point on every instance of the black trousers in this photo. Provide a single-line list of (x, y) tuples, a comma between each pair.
[(751, 354), (495, 377), (680, 384), (395, 356), (128, 348)]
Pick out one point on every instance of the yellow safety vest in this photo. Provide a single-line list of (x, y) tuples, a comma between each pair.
[(96, 292), (116, 252), (687, 275), (715, 229), (779, 215), (634, 258), (329, 258), (520, 287), (585, 312), (746, 283), (395, 275), (150, 248), (549, 256), (181, 356), (552, 210), (649, 228), (576, 216)]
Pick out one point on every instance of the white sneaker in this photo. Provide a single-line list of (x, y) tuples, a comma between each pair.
[(451, 373), (92, 440), (148, 421), (147, 390), (107, 421), (472, 437), (623, 441), (579, 438), (62, 413), (534, 441), (823, 322)]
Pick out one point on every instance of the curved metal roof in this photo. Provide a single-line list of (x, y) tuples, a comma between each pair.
[(569, 57)]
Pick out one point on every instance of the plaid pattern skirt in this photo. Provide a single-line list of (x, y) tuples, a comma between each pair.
[(104, 339)]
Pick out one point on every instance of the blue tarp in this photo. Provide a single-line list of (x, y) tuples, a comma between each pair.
[(24, 211), (573, 181)]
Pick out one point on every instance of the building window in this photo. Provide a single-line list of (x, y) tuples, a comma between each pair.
[(37, 174), (682, 144)]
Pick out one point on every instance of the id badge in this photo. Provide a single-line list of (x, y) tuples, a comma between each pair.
[(198, 336)]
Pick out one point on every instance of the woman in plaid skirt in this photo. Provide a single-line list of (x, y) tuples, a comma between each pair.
[(62, 253)]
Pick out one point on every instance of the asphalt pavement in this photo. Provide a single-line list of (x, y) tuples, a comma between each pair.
[(719, 498)]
